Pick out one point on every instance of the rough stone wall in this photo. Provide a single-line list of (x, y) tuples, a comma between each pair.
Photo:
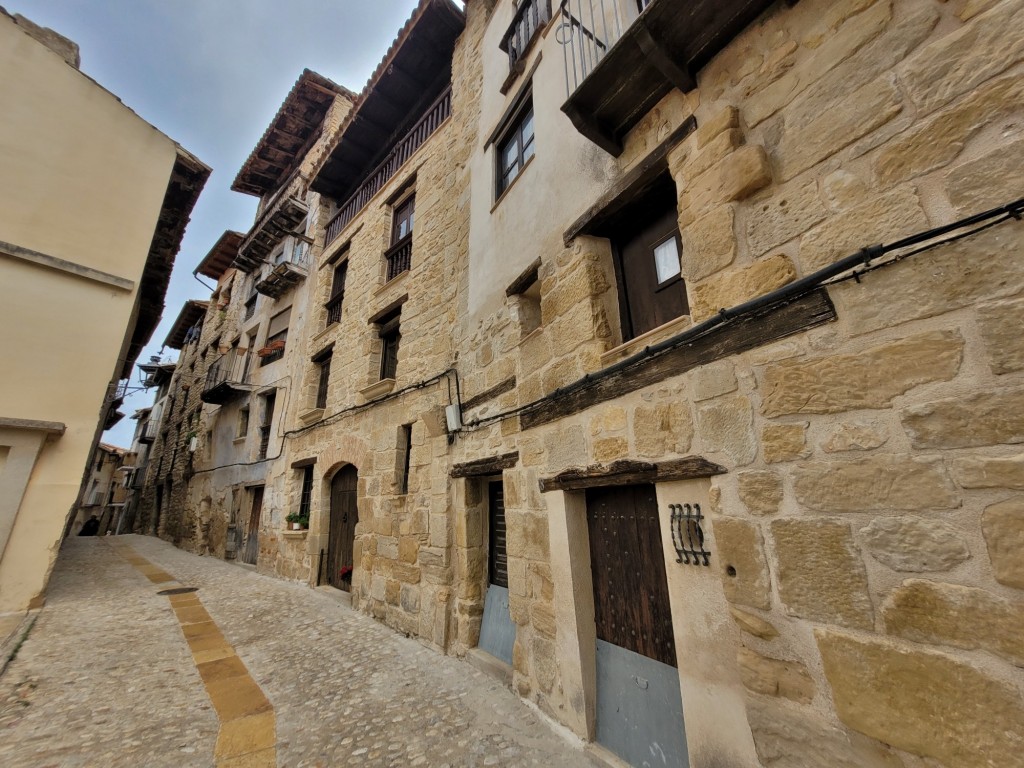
[(867, 520)]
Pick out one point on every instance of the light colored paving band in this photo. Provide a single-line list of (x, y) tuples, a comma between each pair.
[(247, 736)]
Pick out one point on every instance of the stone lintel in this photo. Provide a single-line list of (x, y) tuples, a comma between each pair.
[(50, 427)]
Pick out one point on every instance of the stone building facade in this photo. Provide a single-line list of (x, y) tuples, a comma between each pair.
[(774, 473)]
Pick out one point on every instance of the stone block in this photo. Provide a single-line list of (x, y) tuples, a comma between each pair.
[(963, 274), (607, 449), (726, 425), (1003, 527), (857, 114), (1000, 326), (788, 737), (760, 491), (409, 598), (662, 428), (914, 544), (542, 619), (881, 218), (833, 50), (820, 573), (709, 244), (784, 442), (875, 483), (989, 181), (965, 58), (963, 617), (566, 448), (713, 380), (387, 546), (775, 677), (938, 140), (753, 624), (736, 177), (609, 418), (736, 286), (981, 418), (925, 702), (869, 379), (990, 472), (789, 212), (854, 436), (527, 535), (741, 558), (721, 121)]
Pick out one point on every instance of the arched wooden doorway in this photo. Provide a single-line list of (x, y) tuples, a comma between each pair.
[(342, 532)]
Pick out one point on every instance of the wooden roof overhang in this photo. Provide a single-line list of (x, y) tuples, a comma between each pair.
[(218, 260), (415, 71), (663, 49), (191, 313), (188, 177), (280, 220), (290, 134)]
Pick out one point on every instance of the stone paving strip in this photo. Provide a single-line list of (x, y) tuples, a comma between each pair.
[(247, 671), (247, 727)]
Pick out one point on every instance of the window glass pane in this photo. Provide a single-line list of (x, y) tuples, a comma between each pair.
[(666, 258), (528, 128), (528, 150), (511, 156)]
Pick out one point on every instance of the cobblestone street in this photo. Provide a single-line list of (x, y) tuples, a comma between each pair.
[(112, 674)]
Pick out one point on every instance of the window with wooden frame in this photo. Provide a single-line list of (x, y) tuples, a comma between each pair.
[(306, 494), (390, 333), (515, 148), (323, 363), (269, 402), (337, 297), (250, 302), (647, 249), (399, 255)]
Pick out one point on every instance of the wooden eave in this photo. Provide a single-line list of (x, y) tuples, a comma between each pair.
[(218, 260), (191, 313), (287, 138), (188, 177), (663, 49), (415, 71)]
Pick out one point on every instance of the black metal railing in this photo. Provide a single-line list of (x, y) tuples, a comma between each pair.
[(432, 119), (586, 30), (334, 309), (399, 257), (531, 17)]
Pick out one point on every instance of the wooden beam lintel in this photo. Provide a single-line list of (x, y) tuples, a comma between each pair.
[(482, 467), (629, 472)]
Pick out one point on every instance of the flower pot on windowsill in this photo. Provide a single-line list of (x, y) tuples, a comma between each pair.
[(271, 348), (297, 526)]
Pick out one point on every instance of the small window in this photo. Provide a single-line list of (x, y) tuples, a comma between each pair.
[(404, 457), (524, 300), (243, 422), (516, 148), (390, 336), (323, 363), (405, 213), (269, 401), (337, 293), (277, 337)]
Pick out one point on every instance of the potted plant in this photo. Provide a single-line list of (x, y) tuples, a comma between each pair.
[(298, 522)]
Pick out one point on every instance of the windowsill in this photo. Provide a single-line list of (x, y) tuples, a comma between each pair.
[(377, 389), (313, 414), (396, 280), (652, 336), (512, 183), (299, 534), (324, 333), (239, 440)]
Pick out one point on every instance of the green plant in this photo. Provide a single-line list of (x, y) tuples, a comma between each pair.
[(295, 517)]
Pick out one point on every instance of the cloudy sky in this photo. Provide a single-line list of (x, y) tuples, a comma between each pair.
[(211, 74)]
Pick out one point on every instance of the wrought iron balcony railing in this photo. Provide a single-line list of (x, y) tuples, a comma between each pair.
[(334, 309), (432, 119), (222, 384)]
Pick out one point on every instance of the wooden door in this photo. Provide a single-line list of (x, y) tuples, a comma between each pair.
[(342, 532), (639, 703), (647, 249), (251, 550)]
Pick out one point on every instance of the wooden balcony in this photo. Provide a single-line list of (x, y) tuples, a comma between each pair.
[(530, 18), (399, 257), (432, 119), (280, 219), (282, 278), (617, 69), (221, 386)]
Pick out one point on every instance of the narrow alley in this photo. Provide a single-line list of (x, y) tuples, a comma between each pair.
[(245, 671)]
